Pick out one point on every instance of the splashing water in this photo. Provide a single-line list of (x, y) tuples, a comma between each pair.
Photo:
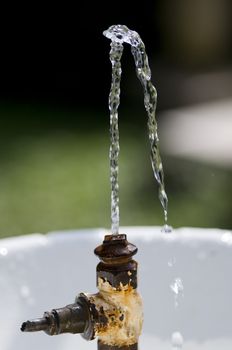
[(177, 341), (177, 286), (3, 251), (120, 34), (227, 238), (166, 228), (178, 289)]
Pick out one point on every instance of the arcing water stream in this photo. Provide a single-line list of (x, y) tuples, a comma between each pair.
[(120, 34)]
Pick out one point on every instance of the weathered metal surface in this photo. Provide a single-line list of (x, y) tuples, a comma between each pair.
[(114, 314), (126, 274), (117, 266), (117, 301), (102, 346), (115, 248), (121, 314), (72, 318)]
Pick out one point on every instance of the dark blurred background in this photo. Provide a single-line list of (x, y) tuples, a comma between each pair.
[(54, 83)]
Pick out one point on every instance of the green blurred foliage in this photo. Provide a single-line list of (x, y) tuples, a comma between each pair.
[(54, 175)]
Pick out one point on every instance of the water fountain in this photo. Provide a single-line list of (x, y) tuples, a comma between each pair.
[(182, 273), (114, 314)]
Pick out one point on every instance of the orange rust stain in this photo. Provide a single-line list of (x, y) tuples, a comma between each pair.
[(122, 311)]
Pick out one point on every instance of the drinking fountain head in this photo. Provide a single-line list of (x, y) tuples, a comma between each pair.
[(114, 314)]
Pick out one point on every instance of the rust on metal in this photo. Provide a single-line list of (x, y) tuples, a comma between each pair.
[(114, 314), (118, 297), (117, 266), (102, 346), (122, 311)]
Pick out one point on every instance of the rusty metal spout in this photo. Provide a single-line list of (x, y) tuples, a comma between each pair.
[(114, 314), (73, 318), (39, 324)]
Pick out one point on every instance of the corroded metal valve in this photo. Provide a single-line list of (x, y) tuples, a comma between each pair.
[(114, 314)]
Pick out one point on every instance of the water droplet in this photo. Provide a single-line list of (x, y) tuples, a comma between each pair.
[(3, 251), (166, 229), (178, 288), (177, 340), (25, 291), (172, 261), (227, 238)]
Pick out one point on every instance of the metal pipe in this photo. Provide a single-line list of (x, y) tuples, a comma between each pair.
[(72, 318), (39, 324), (114, 314), (108, 347), (117, 283)]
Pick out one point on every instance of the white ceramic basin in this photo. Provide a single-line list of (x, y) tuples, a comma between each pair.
[(40, 272)]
